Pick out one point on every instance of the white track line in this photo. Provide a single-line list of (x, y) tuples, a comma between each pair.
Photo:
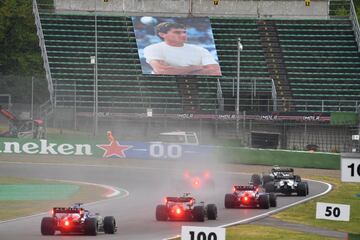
[(115, 192), (247, 220)]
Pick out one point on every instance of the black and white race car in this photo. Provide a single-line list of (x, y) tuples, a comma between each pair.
[(249, 196), (185, 209), (281, 180), (77, 220)]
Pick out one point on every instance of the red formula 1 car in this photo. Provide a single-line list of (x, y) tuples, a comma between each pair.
[(185, 209), (249, 196), (76, 220), (198, 179)]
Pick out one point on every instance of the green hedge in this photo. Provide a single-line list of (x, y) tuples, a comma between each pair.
[(279, 157)]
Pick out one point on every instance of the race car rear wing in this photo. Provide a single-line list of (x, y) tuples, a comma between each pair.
[(179, 199), (67, 210), (285, 170), (285, 177), (244, 188)]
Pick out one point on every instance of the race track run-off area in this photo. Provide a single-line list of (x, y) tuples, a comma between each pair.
[(146, 185)]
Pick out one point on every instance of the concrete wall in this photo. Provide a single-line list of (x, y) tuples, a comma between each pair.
[(230, 8)]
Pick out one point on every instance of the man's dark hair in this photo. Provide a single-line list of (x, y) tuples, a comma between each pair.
[(164, 27)]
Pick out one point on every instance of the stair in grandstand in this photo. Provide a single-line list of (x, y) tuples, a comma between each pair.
[(189, 91), (275, 61)]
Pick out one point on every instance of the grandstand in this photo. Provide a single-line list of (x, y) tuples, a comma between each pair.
[(296, 66), (69, 41)]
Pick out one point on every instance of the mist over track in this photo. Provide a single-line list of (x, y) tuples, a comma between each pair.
[(147, 182)]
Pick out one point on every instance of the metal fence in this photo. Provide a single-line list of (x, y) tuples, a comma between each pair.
[(208, 105), (248, 130)]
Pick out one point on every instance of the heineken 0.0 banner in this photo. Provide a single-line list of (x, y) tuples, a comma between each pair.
[(107, 149)]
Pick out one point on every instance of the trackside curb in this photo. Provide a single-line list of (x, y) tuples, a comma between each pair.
[(114, 191)]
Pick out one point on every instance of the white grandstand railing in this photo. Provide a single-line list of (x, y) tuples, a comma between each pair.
[(355, 23), (43, 50)]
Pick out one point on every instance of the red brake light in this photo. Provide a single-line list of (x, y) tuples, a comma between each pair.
[(246, 199), (66, 223), (196, 183), (52, 211), (176, 210)]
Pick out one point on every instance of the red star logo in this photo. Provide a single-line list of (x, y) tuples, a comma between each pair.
[(114, 149)]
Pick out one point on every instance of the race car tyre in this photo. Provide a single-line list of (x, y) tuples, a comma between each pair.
[(109, 225), (47, 226), (255, 179), (229, 200), (307, 188), (161, 213), (297, 178), (199, 213), (91, 227), (266, 179), (264, 201), (269, 187), (211, 211), (272, 198), (301, 190)]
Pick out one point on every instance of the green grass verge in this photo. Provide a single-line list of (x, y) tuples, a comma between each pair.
[(37, 191), (343, 193), (256, 232), (14, 209)]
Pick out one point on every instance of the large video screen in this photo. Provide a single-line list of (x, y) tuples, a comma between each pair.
[(176, 46)]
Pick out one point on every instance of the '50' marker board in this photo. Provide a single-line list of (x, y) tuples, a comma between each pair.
[(331, 211)]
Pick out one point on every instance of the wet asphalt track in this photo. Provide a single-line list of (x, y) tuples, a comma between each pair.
[(135, 214)]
